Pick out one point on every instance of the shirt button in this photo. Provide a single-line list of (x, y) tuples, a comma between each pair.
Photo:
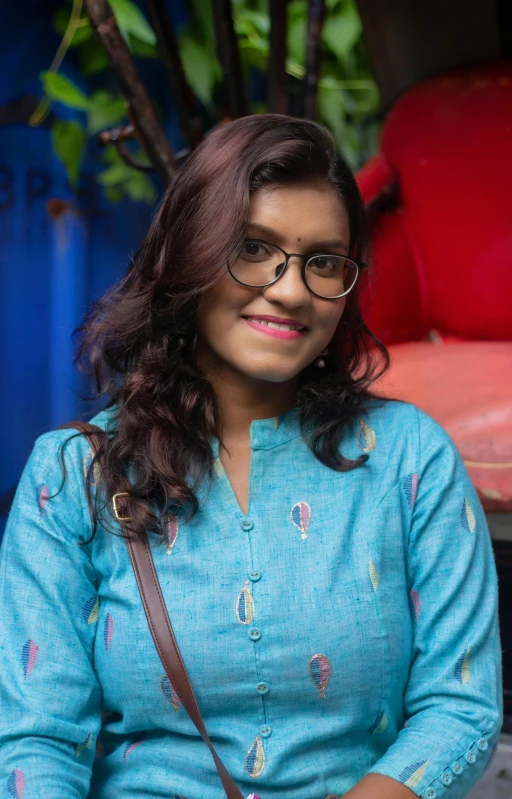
[(254, 576), (247, 524), (470, 756), (255, 634), (483, 744), (265, 731), (447, 778), (262, 688), (430, 793), (457, 768)]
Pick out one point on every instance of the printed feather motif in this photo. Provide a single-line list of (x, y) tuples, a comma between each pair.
[(245, 605), (169, 692), (29, 657), (108, 630), (413, 774), (255, 758), (130, 747), (414, 603), (43, 495), (91, 609), (374, 576), (380, 724), (462, 671), (16, 784), (410, 488), (467, 517), (367, 440), (320, 671), (85, 744), (171, 534), (300, 515)]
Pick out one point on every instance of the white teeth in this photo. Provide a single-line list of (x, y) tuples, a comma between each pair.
[(275, 324)]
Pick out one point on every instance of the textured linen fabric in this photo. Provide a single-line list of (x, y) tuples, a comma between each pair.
[(347, 624)]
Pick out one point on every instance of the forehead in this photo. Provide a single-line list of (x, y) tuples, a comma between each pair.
[(311, 211)]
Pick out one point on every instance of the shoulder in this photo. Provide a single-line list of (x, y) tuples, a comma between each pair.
[(401, 433)]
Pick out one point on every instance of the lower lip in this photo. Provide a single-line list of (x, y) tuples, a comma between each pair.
[(273, 331)]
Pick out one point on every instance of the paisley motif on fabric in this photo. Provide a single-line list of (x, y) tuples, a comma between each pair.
[(85, 744), (462, 670), (255, 759), (171, 534), (217, 465), (16, 784), (129, 747), (320, 670), (43, 495), (300, 515), (108, 631), (410, 485), (168, 691), (245, 605), (29, 657), (413, 774), (414, 603), (467, 517), (91, 609), (380, 724), (374, 577), (367, 440)]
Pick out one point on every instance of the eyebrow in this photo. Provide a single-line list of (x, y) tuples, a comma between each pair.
[(277, 236)]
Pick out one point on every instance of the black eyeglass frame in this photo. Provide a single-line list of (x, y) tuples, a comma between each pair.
[(360, 266)]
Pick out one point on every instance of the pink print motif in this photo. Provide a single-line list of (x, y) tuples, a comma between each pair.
[(129, 748), (108, 630), (43, 495), (29, 657), (411, 489), (414, 603), (300, 515), (171, 534), (16, 784)]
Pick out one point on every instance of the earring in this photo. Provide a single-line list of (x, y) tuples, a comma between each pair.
[(320, 363)]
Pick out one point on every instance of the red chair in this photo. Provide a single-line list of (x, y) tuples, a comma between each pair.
[(440, 199)]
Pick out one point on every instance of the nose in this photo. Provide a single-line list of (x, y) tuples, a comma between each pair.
[(290, 290)]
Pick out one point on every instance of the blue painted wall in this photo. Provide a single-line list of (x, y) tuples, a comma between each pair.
[(51, 266)]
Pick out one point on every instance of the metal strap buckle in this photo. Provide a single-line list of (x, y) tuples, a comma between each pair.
[(116, 511)]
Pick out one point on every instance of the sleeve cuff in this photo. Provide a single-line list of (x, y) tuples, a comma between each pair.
[(439, 773)]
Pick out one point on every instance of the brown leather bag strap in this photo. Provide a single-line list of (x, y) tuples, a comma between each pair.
[(160, 624)]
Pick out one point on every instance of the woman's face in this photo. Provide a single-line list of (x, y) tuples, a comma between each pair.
[(307, 219)]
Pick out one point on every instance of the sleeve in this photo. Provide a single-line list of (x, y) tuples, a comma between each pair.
[(453, 701), (49, 695)]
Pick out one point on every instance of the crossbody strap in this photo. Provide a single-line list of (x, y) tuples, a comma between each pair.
[(160, 624)]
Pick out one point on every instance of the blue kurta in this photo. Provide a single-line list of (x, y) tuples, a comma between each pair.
[(346, 624)]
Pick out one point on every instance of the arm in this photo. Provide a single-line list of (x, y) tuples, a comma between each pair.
[(49, 694), (453, 698)]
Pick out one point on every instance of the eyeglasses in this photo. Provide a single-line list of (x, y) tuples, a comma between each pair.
[(326, 275)]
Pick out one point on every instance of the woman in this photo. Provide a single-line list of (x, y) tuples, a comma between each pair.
[(323, 555)]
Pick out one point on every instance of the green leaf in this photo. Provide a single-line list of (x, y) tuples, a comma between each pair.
[(131, 20), (105, 110), (60, 88), (69, 139), (114, 194), (92, 58), (139, 188), (83, 31), (113, 175), (201, 69), (143, 49), (342, 31), (296, 39)]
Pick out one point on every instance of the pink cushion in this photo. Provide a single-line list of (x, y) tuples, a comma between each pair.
[(467, 388)]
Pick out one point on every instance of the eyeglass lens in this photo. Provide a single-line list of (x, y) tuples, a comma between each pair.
[(327, 275)]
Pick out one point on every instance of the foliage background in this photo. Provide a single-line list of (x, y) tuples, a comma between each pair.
[(348, 98)]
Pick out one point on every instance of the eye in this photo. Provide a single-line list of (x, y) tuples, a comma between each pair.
[(325, 263), (255, 250)]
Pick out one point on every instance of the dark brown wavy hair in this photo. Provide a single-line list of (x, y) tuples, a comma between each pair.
[(137, 341)]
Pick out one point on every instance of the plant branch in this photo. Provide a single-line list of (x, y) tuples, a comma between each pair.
[(189, 122), (277, 95), (316, 17), (229, 59), (152, 135)]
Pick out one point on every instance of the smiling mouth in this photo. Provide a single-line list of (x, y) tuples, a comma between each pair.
[(276, 325)]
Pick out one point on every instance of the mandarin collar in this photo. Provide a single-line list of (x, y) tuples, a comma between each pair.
[(271, 432)]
